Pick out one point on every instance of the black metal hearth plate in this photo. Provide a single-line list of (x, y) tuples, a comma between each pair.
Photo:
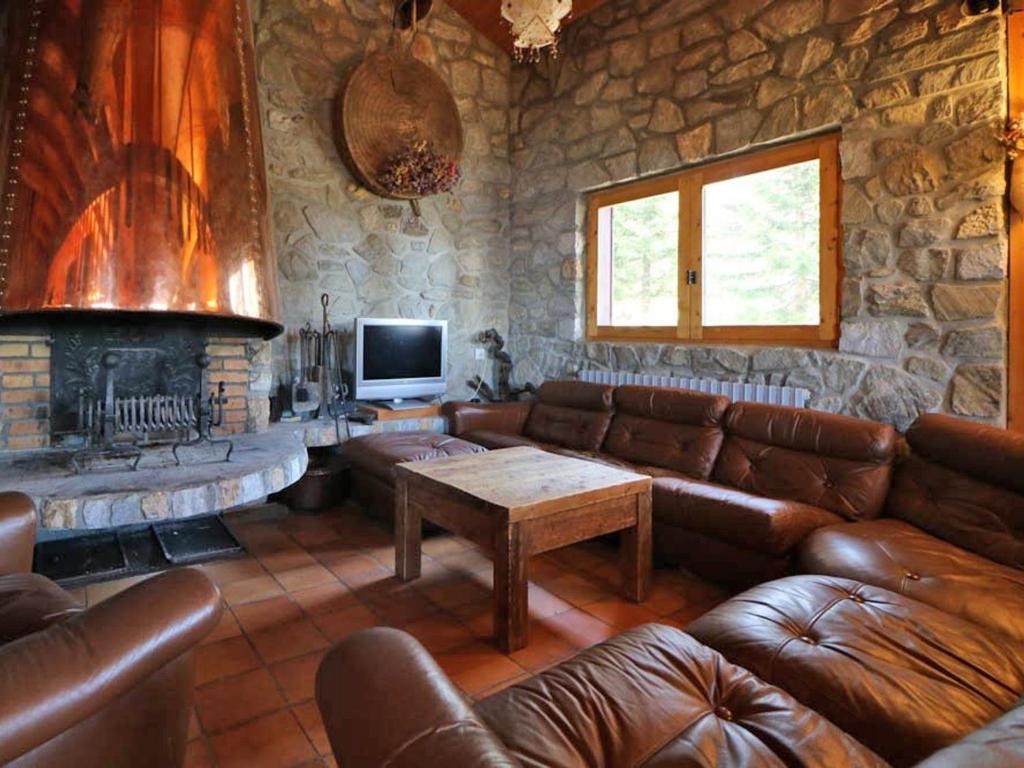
[(95, 557), (196, 539), (90, 557)]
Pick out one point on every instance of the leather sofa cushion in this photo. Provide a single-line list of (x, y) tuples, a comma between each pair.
[(655, 697), (834, 462), (496, 440), (904, 559), (998, 745), (953, 505), (676, 429), (496, 417), (614, 461), (571, 414), (903, 678), (769, 526), (30, 603), (378, 454), (990, 454), (716, 560), (578, 395)]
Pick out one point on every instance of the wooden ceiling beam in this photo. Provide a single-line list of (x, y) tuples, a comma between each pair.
[(485, 15)]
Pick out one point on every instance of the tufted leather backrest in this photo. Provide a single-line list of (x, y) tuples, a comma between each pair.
[(677, 429), (964, 483), (833, 462), (572, 414)]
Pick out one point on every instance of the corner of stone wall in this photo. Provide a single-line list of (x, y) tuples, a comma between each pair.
[(261, 380)]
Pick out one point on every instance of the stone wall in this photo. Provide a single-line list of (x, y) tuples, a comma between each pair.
[(373, 256), (645, 87)]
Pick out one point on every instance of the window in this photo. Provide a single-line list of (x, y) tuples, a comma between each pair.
[(738, 251)]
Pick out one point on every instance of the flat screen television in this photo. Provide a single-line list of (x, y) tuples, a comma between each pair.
[(399, 359)]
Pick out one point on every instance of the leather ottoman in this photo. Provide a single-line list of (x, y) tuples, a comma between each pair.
[(902, 677), (373, 459)]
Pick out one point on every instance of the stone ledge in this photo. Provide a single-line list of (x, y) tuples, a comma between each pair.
[(322, 434), (260, 465)]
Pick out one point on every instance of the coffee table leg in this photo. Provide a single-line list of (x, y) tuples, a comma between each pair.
[(408, 534), (636, 552), (511, 614)]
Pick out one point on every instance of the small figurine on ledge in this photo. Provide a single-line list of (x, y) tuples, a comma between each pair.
[(496, 348)]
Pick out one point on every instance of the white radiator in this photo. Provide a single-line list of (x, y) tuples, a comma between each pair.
[(749, 393)]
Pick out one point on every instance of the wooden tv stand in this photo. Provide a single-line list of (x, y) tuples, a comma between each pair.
[(428, 411)]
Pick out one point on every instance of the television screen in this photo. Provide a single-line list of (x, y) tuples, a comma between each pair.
[(402, 352)]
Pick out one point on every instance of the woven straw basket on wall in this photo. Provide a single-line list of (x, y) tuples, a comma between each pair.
[(388, 102)]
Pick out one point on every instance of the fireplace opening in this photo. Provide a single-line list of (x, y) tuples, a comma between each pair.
[(152, 371)]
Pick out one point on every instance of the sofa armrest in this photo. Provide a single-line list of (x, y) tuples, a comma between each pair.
[(384, 701), (17, 533), (60, 676), (507, 418)]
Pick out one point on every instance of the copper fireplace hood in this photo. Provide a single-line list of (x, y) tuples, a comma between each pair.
[(134, 178)]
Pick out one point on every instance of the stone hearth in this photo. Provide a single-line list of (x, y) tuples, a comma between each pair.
[(261, 464)]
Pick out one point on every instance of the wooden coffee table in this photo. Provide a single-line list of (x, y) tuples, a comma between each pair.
[(519, 502)]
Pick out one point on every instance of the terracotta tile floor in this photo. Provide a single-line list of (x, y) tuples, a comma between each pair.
[(311, 580)]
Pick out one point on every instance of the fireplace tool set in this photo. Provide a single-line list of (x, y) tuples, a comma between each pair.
[(114, 426), (319, 390)]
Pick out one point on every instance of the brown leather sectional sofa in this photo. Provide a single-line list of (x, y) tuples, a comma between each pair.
[(736, 486), (899, 642), (108, 686)]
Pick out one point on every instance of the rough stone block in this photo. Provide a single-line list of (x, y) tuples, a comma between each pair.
[(977, 390), (871, 338), (953, 301), (987, 342), (902, 299)]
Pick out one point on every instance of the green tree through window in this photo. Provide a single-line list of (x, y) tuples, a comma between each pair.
[(645, 267), (761, 248)]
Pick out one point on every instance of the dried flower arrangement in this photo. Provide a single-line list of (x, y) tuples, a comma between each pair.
[(1013, 137), (419, 171)]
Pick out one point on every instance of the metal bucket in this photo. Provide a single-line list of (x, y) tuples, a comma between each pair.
[(325, 484)]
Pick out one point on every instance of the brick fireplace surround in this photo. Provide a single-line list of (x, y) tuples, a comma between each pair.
[(244, 366)]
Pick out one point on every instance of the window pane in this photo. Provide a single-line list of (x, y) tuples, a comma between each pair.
[(761, 248), (642, 239)]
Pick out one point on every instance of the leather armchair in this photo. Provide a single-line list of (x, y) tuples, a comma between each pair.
[(17, 533), (384, 701), (108, 686), (650, 697)]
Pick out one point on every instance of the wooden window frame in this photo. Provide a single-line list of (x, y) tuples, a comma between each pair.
[(689, 184), (1015, 330)]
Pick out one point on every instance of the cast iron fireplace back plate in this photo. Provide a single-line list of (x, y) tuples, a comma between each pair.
[(154, 361)]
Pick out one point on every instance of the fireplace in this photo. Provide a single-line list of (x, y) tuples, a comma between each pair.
[(133, 221), (143, 367)]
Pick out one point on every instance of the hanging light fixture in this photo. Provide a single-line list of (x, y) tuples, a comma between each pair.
[(534, 25)]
